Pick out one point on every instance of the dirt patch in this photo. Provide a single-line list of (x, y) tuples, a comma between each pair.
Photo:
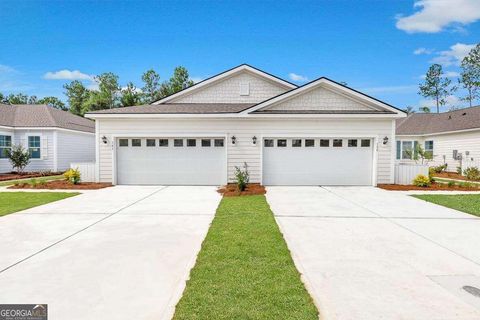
[(62, 184), (433, 187), (230, 190), (451, 175), (26, 175)]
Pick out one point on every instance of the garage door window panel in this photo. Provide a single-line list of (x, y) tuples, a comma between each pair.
[(178, 142), (163, 142), (281, 143), (219, 143), (309, 143), (150, 142), (365, 143), (123, 142), (352, 143), (296, 143), (206, 143), (337, 143), (191, 143), (136, 142), (268, 143), (324, 143)]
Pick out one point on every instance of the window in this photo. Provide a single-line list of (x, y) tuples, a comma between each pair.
[(178, 142), (191, 142), (281, 143), (163, 142), (407, 149), (324, 143), (268, 143), (206, 143), (337, 142), (429, 149), (296, 142), (309, 143), (136, 142), (123, 142), (5, 145), (352, 143), (365, 143), (218, 142), (34, 147), (150, 142)]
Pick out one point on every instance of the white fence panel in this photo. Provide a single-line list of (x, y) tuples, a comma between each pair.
[(405, 173), (87, 170)]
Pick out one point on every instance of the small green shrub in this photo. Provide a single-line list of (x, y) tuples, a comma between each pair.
[(472, 173), (439, 169), (459, 170), (451, 184), (42, 182), (242, 177), (72, 176), (421, 181), (33, 182), (18, 156)]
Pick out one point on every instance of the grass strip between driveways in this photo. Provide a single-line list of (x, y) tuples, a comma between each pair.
[(11, 202), (27, 180), (469, 203), (244, 269)]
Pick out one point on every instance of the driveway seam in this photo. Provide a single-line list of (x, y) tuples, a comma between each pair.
[(81, 230), (401, 226), (367, 217)]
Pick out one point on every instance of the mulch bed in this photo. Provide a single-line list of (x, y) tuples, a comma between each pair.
[(26, 175), (62, 184), (230, 190), (451, 175), (433, 187)]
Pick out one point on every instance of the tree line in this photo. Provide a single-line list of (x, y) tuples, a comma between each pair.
[(438, 87), (109, 93)]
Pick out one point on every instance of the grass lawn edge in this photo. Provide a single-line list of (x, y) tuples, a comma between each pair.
[(12, 202)]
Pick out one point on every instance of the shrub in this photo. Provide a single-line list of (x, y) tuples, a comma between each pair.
[(459, 170), (472, 173), (242, 177), (466, 185), (439, 169), (19, 157), (451, 184), (42, 182), (72, 176), (33, 182), (421, 181)]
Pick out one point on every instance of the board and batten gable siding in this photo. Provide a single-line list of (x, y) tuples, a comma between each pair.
[(5, 165), (444, 144), (74, 147), (228, 90), (47, 148), (244, 130), (319, 99)]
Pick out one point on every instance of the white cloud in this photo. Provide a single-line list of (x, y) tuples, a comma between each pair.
[(297, 77), (137, 90), (435, 15), (93, 86), (453, 56), (6, 69), (67, 75), (196, 79), (452, 101), (422, 51), (446, 74)]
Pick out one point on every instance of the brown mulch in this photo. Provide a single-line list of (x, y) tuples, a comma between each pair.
[(230, 190), (62, 184), (433, 187), (26, 175), (450, 175)]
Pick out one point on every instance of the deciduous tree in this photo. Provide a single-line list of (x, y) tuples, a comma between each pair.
[(436, 86)]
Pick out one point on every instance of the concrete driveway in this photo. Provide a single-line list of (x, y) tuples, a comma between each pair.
[(116, 253), (367, 253)]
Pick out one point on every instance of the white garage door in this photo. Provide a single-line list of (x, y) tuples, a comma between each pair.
[(317, 161), (171, 161)]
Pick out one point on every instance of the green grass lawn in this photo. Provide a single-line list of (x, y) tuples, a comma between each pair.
[(469, 203), (244, 269), (16, 201), (12, 182)]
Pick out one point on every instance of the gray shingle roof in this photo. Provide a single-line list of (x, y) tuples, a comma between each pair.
[(39, 115), (182, 108), (427, 123)]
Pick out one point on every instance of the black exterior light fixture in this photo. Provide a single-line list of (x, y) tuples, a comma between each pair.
[(104, 140), (254, 140), (385, 140), (234, 140)]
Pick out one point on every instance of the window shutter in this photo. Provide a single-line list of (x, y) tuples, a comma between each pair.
[(44, 148), (399, 149), (415, 149)]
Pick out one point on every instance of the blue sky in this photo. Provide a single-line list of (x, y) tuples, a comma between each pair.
[(379, 47)]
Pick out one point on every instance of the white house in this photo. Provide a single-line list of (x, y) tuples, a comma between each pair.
[(453, 138), (54, 138), (322, 133)]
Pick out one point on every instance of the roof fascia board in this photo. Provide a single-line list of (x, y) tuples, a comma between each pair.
[(223, 75), (49, 128), (237, 116), (438, 133)]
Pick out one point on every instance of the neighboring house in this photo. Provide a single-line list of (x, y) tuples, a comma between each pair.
[(451, 137), (322, 133), (54, 138)]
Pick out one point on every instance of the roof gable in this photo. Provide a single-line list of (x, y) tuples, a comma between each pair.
[(324, 96), (225, 88)]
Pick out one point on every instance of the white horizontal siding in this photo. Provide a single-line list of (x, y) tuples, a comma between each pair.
[(74, 147), (228, 91), (244, 130), (47, 161), (5, 165)]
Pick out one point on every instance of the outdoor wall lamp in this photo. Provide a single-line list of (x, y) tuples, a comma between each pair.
[(254, 140), (234, 139), (385, 140), (104, 140)]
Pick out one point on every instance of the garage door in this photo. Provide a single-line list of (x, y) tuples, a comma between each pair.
[(317, 161), (171, 161)]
